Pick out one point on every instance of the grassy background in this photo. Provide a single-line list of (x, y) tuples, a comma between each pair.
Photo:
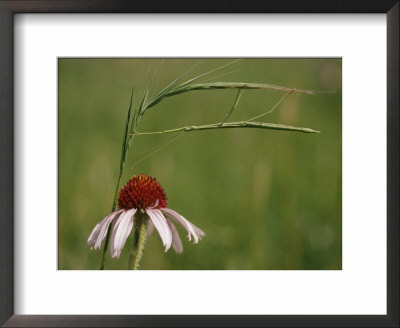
[(266, 199)]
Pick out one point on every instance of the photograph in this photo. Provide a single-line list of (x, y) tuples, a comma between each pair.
[(199, 163), (246, 152)]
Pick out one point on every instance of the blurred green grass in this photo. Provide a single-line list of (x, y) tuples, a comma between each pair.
[(266, 199)]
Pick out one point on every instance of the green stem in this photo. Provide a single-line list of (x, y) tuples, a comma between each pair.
[(272, 109), (226, 85), (125, 148), (239, 94), (230, 125), (138, 242), (133, 249)]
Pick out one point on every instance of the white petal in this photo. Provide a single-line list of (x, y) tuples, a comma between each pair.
[(150, 228), (197, 233), (122, 229), (160, 223), (176, 240), (100, 230)]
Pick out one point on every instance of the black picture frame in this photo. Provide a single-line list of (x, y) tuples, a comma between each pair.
[(7, 11)]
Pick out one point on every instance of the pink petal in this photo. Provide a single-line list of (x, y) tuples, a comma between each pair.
[(150, 228), (160, 223), (176, 240), (100, 230), (122, 229), (93, 236), (197, 233)]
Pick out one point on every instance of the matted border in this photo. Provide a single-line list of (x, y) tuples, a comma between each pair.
[(7, 10)]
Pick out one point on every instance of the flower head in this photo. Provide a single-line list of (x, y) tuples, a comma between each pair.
[(142, 195)]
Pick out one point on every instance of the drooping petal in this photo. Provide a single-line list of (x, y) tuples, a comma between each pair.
[(176, 240), (100, 230), (160, 223), (150, 228), (192, 230), (122, 229), (199, 232), (93, 236)]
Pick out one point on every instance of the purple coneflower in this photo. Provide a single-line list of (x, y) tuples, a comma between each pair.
[(142, 194)]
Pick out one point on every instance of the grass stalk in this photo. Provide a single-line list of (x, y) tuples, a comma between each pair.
[(231, 125), (228, 85), (125, 147)]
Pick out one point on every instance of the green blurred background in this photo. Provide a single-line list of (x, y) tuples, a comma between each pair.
[(269, 200)]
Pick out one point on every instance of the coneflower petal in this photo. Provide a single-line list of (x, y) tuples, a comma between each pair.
[(100, 230), (93, 236), (150, 228), (196, 232), (176, 240), (200, 233), (160, 223), (122, 229)]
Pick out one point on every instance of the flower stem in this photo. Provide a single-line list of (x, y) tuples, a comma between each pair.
[(138, 242), (133, 249)]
